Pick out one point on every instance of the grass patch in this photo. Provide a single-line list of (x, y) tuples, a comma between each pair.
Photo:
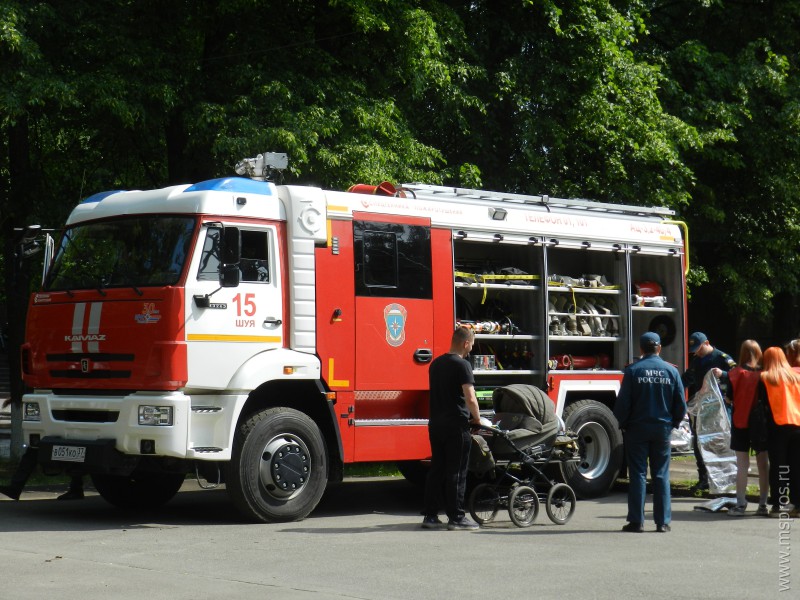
[(37, 478), (372, 470)]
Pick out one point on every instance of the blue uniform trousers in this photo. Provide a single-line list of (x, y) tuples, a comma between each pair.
[(653, 444)]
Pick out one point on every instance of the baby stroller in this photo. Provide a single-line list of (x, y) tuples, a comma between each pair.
[(512, 457)]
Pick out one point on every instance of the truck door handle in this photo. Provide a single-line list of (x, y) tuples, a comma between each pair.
[(423, 355), (271, 321)]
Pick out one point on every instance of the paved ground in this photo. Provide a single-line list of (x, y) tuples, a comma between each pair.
[(364, 541)]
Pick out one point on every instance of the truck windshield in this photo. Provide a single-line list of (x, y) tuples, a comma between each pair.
[(130, 252)]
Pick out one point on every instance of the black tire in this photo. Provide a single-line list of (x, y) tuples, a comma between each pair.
[(415, 471), (560, 503), (279, 466), (139, 490), (600, 443), (484, 503), (523, 505)]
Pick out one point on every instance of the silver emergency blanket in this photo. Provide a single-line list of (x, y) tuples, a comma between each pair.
[(713, 428), (681, 438)]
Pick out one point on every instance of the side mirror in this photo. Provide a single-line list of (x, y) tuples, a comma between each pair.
[(231, 246), (229, 276), (231, 252)]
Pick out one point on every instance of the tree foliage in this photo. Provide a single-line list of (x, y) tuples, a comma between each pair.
[(691, 104)]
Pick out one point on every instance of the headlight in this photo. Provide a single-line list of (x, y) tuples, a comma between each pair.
[(155, 415), (31, 411)]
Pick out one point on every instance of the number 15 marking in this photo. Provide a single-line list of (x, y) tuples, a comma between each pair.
[(246, 306)]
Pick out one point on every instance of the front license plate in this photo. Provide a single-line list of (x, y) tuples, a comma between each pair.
[(69, 453)]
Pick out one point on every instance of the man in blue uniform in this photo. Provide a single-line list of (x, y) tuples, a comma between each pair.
[(705, 357), (649, 405)]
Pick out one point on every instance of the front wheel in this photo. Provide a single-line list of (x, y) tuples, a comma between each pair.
[(523, 505), (279, 466), (484, 502), (139, 490), (600, 445), (560, 503)]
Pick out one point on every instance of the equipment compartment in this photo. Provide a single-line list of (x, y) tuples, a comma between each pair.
[(657, 299), (586, 308), (498, 293)]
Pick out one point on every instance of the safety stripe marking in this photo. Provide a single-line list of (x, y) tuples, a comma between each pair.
[(212, 337), (94, 325), (77, 325)]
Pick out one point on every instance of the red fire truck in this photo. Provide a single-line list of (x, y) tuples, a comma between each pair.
[(265, 335)]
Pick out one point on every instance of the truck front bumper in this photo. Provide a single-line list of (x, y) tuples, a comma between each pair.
[(97, 423)]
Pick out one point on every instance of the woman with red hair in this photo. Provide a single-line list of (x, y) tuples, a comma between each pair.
[(743, 381), (779, 395)]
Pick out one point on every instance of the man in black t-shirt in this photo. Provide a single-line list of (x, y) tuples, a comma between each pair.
[(453, 406)]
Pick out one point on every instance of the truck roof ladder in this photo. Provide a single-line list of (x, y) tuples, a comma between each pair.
[(439, 192)]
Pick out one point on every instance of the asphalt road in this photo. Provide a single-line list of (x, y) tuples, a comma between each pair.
[(364, 541)]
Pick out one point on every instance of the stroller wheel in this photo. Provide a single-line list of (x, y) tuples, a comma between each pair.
[(484, 502), (523, 505), (560, 503)]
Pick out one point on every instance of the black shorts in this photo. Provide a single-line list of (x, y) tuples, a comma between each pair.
[(742, 441)]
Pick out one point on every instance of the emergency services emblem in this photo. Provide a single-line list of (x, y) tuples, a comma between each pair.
[(149, 314), (395, 317)]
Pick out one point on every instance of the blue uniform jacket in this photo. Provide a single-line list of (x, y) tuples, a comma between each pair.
[(651, 395)]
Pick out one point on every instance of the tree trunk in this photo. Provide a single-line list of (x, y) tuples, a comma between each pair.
[(20, 198)]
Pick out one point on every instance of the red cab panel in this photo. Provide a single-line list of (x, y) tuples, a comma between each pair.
[(118, 340)]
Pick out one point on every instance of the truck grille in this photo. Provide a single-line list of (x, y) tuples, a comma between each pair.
[(86, 416), (85, 366)]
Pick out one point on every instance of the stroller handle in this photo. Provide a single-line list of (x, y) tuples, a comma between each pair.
[(492, 429)]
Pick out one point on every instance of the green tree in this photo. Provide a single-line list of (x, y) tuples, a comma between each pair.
[(733, 75), (573, 105)]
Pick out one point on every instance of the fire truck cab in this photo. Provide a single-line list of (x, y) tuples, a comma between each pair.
[(264, 336)]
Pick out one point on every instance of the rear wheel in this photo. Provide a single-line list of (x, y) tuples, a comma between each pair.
[(279, 466), (139, 490), (523, 505), (600, 443), (560, 503), (484, 502)]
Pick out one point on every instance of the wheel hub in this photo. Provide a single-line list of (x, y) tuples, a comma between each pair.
[(596, 447), (285, 466)]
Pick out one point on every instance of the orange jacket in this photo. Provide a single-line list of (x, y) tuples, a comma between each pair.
[(784, 402)]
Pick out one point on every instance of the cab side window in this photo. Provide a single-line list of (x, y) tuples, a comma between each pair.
[(209, 260), (254, 264)]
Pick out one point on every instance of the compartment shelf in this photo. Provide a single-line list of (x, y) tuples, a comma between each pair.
[(504, 372), (583, 338), (583, 314), (506, 337), (582, 290), (497, 286)]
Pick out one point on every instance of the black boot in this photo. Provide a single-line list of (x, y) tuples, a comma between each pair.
[(11, 491), (75, 491)]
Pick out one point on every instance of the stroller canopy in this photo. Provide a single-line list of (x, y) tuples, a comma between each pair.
[(527, 414), (525, 400)]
